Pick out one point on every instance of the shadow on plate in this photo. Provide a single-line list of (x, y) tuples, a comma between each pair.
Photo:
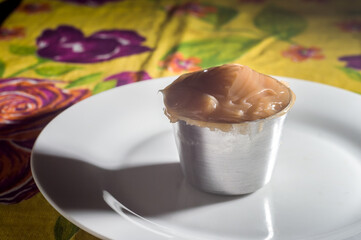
[(149, 190)]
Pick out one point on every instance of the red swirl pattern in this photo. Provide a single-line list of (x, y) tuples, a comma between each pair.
[(26, 106)]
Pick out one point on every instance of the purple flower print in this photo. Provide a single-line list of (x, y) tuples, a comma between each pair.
[(351, 26), (68, 44), (128, 77), (352, 61), (90, 2)]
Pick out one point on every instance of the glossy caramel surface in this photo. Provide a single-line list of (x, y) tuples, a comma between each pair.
[(230, 93)]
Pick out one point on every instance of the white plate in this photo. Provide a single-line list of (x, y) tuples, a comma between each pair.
[(120, 141)]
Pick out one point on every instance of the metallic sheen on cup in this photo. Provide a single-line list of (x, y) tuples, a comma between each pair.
[(237, 161)]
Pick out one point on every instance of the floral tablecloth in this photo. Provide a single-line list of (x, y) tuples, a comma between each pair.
[(54, 53)]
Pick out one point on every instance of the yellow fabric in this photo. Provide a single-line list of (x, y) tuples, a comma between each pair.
[(149, 19), (31, 219), (180, 37)]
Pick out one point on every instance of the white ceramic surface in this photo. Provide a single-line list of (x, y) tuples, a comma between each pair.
[(120, 141)]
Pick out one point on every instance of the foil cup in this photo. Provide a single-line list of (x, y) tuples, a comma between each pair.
[(239, 159)]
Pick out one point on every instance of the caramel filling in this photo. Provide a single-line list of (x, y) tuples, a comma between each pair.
[(230, 93)]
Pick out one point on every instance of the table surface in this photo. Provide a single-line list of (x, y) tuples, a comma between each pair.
[(56, 53)]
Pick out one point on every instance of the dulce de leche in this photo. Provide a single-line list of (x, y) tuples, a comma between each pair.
[(230, 93)]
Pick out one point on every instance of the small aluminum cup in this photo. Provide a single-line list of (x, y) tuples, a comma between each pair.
[(238, 160)]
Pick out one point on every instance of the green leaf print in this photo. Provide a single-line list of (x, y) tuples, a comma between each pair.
[(50, 71), (31, 67), (91, 78), (22, 50), (103, 86), (279, 22), (2, 68), (351, 73), (214, 52), (221, 17), (64, 230)]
